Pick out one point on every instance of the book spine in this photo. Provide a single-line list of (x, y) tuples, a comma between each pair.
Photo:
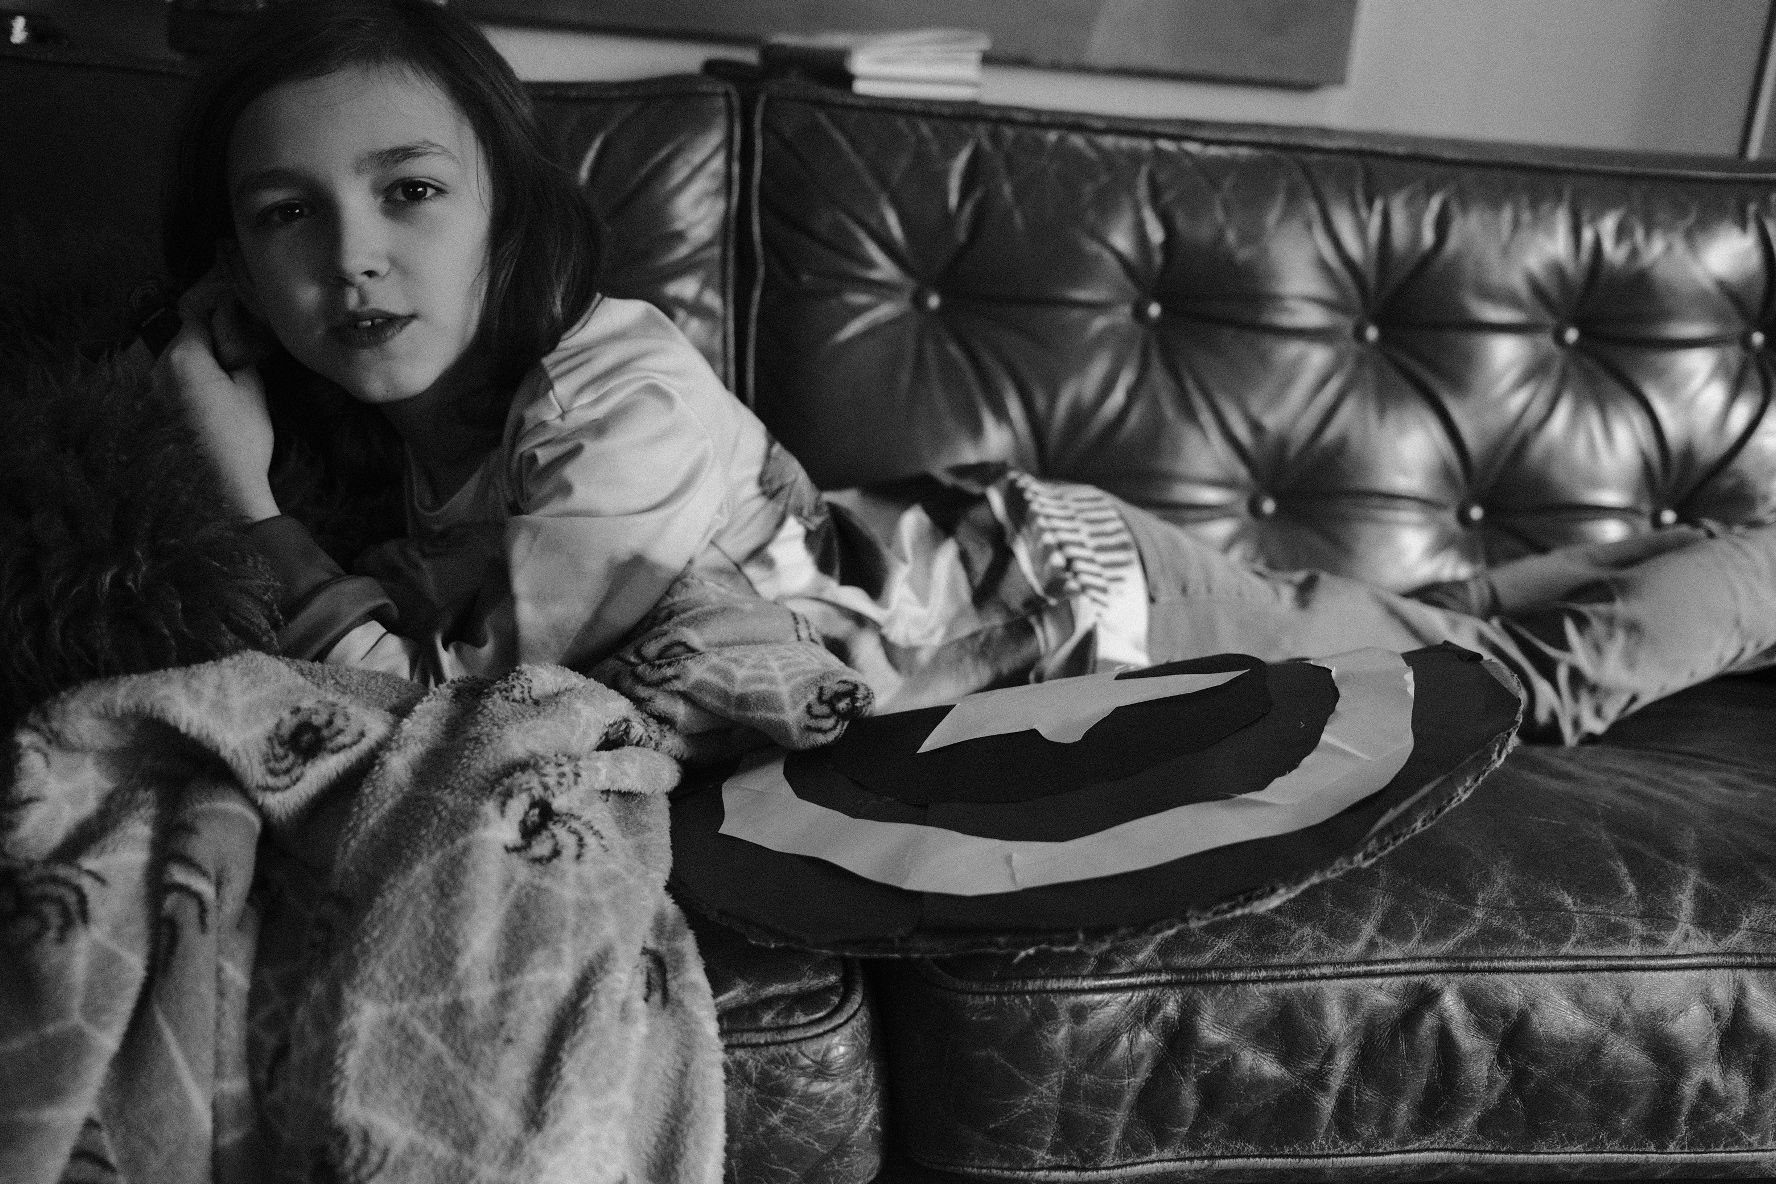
[(773, 56)]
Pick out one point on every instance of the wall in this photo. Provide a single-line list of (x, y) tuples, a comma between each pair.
[(1658, 75)]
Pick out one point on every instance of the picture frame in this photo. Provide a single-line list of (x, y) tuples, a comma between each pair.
[(1297, 44)]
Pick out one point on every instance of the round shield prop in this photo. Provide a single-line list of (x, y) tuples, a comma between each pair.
[(1088, 807)]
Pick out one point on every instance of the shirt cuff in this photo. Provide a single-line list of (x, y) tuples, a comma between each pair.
[(319, 602), (296, 559)]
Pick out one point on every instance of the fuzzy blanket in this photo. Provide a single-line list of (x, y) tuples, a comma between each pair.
[(269, 920), (265, 920)]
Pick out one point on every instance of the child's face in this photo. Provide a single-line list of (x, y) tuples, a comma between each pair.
[(361, 203)]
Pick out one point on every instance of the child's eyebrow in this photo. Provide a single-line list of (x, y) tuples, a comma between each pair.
[(379, 160), (400, 154)]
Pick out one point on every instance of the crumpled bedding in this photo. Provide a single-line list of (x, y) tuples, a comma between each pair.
[(267, 920)]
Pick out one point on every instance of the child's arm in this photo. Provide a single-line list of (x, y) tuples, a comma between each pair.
[(612, 499), (210, 369), (320, 604)]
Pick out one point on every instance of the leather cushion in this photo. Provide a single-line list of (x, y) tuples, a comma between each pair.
[(802, 1061), (659, 159), (1390, 359), (84, 148), (1575, 970)]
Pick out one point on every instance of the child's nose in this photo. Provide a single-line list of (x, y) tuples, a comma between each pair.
[(362, 248)]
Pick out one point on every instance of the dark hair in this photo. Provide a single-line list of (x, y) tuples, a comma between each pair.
[(543, 239)]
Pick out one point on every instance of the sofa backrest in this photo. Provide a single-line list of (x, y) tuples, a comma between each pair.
[(85, 143), (1398, 360), (84, 147)]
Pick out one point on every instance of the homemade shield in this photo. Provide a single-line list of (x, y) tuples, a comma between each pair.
[(1094, 806)]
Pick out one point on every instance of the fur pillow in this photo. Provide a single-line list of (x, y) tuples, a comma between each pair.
[(114, 556)]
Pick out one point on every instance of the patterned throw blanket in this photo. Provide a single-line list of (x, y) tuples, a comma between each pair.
[(264, 920)]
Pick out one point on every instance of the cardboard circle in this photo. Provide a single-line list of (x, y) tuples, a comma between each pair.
[(1464, 712)]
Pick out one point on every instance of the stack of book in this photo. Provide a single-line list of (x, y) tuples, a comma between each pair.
[(914, 64)]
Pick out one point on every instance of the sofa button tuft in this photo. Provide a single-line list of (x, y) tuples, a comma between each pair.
[(1568, 335), (1148, 312), (1263, 506), (1755, 339), (1369, 332), (1472, 514), (1665, 516), (928, 299)]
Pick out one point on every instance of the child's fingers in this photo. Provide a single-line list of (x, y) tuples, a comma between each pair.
[(199, 301), (236, 345), (211, 305), (191, 354)]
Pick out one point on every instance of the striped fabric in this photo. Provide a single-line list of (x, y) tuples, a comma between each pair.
[(1074, 545)]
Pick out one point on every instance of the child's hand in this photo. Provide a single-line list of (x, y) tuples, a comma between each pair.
[(210, 368)]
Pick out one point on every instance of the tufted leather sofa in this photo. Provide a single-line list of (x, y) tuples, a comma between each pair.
[(1400, 361), (1393, 359)]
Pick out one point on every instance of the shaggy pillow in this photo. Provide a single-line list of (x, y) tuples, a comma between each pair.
[(115, 557)]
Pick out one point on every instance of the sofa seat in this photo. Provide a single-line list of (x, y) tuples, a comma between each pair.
[(803, 1066), (1572, 974)]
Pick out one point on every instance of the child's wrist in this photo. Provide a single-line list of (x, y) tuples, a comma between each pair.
[(254, 503)]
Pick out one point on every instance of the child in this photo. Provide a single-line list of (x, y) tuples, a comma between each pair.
[(363, 196)]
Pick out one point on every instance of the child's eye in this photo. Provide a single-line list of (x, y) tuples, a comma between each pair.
[(413, 191), (282, 213)]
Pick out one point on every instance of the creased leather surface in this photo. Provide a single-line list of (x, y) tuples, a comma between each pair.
[(802, 1058), (1575, 967), (1351, 355), (658, 158)]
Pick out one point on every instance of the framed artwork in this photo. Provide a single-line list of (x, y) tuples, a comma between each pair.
[(1288, 43), (1760, 122)]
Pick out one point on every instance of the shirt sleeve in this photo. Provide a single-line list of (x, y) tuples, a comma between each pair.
[(318, 601), (611, 500), (614, 500)]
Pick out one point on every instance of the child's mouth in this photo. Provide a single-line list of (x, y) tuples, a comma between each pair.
[(369, 330)]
